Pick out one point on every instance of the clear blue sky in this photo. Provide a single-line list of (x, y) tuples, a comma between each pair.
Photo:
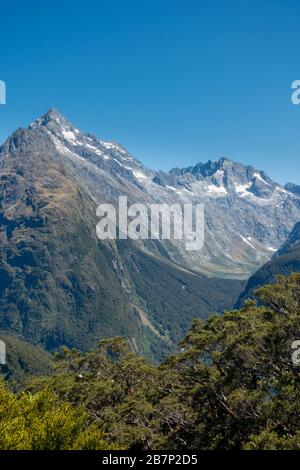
[(175, 81)]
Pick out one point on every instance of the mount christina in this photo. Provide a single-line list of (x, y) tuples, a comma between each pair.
[(60, 285)]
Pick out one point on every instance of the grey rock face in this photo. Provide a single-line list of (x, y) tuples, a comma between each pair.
[(284, 262)]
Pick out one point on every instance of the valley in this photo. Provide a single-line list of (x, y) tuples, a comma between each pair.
[(61, 285)]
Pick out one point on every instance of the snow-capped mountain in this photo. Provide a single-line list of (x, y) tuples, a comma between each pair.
[(61, 285), (247, 215)]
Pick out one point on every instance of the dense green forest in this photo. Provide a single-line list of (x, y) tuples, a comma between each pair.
[(232, 385)]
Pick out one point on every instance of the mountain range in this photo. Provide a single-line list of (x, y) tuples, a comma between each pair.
[(248, 216), (59, 284)]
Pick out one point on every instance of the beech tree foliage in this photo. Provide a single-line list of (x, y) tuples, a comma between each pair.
[(232, 385)]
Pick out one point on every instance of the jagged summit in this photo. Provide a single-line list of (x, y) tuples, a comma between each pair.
[(223, 174), (54, 122), (224, 164), (51, 116), (66, 135), (284, 262), (222, 178), (53, 113)]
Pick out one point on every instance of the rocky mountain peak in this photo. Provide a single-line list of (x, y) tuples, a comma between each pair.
[(20, 141), (52, 116), (60, 127), (55, 123), (231, 176)]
